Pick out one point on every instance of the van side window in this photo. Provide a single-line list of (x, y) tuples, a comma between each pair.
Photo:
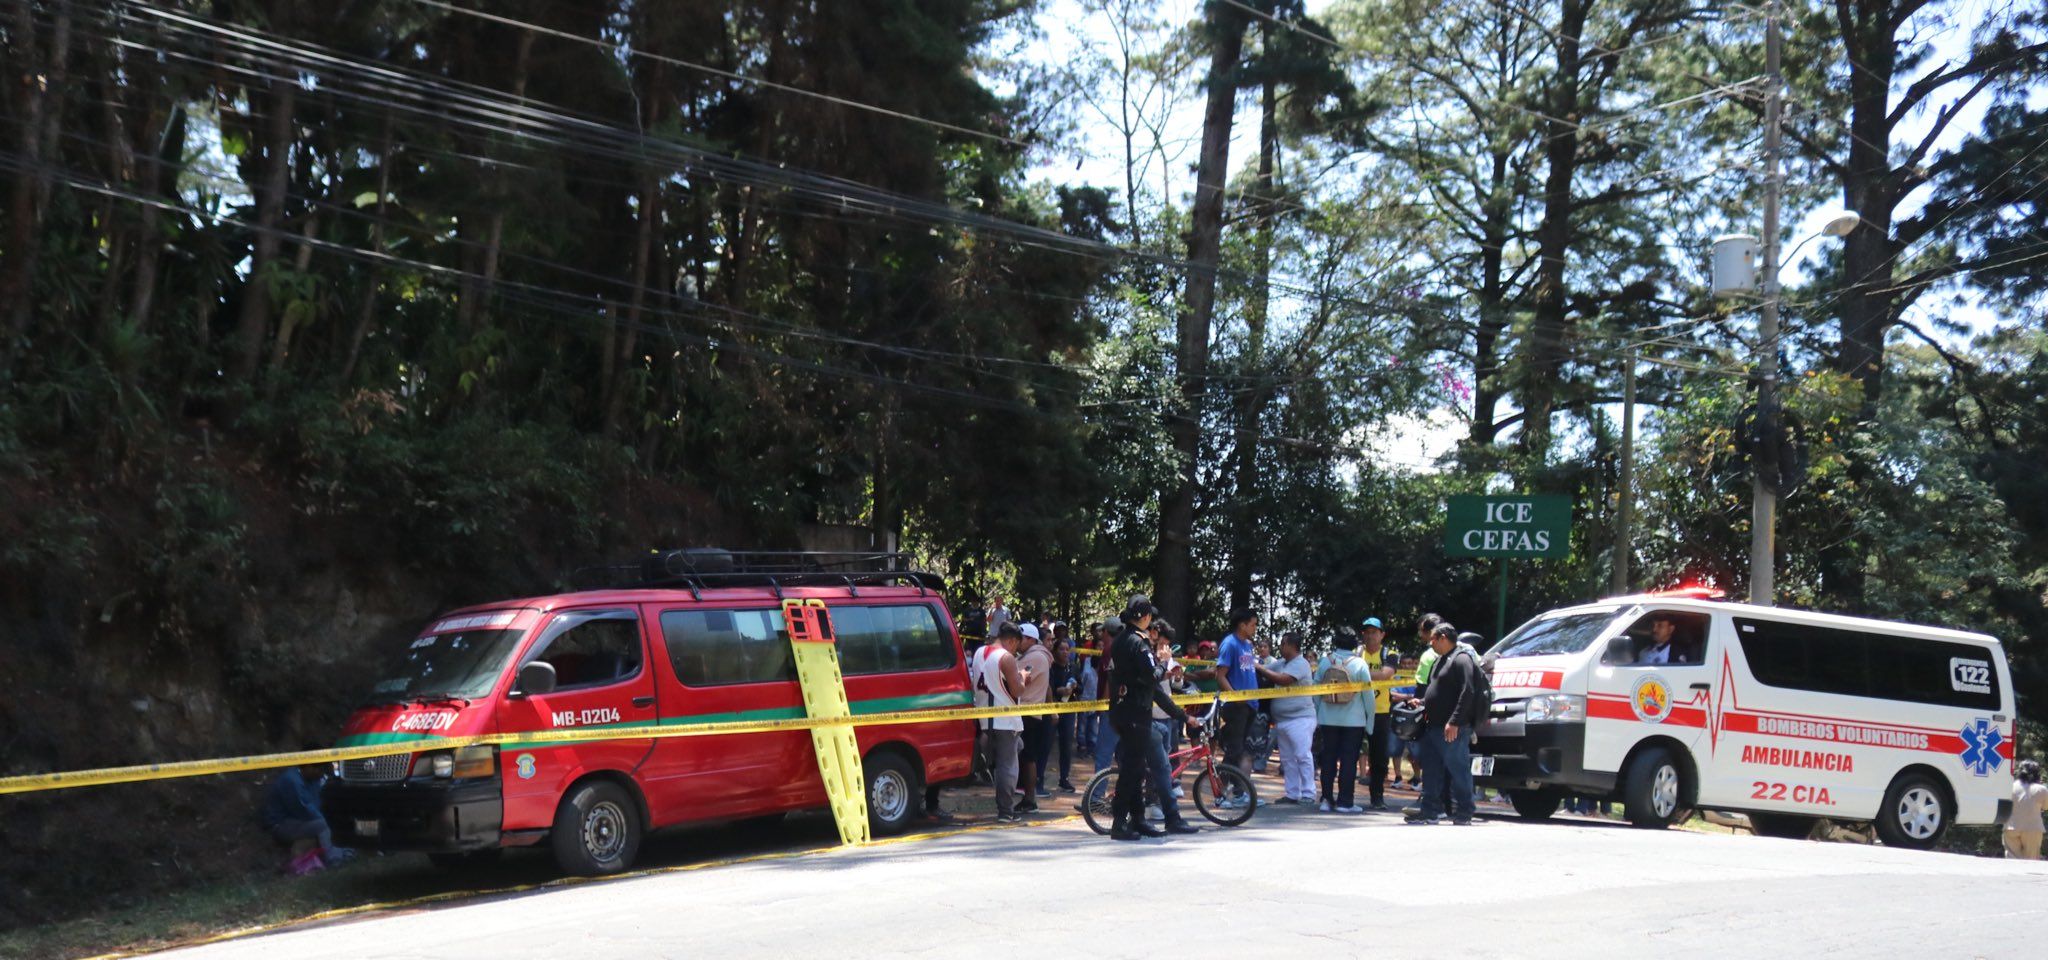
[(1683, 641), (588, 648), (890, 639), (1858, 664), (711, 648)]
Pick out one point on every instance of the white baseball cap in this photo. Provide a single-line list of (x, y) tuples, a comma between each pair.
[(1029, 630)]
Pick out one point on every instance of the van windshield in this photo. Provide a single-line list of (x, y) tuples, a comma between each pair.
[(442, 666), (1555, 635)]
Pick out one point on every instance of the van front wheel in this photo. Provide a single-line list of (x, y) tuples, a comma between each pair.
[(895, 793), (1916, 813), (597, 829), (1654, 794)]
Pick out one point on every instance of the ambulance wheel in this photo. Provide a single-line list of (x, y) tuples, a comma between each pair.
[(1534, 804), (597, 829), (1654, 793), (1784, 826), (1915, 814), (895, 795)]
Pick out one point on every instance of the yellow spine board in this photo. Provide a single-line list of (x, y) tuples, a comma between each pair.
[(817, 671)]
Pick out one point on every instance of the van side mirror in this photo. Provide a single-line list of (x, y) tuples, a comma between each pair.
[(535, 677), (1620, 650)]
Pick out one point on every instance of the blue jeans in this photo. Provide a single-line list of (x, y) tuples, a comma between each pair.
[(1159, 772), (1447, 775), (1084, 730), (1105, 744)]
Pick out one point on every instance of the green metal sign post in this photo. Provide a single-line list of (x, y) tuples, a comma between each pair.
[(1507, 526)]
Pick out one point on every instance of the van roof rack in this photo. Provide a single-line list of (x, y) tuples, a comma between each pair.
[(702, 568)]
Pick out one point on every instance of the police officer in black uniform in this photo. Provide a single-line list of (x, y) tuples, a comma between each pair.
[(1135, 688)]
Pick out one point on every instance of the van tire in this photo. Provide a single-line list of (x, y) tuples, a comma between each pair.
[(597, 829), (1916, 812), (1654, 793), (1534, 804), (895, 793)]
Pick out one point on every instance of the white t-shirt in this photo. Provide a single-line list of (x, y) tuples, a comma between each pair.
[(989, 670), (2027, 799), (1294, 708)]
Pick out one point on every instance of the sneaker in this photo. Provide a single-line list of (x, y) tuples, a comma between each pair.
[(1462, 822), (1067, 786), (1354, 808), (1323, 806), (1380, 808), (1008, 818), (1416, 820), (1414, 783), (1027, 807), (1043, 793), (1153, 813), (1178, 793), (1286, 800)]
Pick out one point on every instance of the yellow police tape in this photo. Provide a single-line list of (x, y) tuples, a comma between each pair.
[(35, 782)]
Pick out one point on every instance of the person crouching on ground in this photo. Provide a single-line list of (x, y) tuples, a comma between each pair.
[(291, 812)]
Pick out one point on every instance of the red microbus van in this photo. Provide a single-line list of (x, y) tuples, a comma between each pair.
[(691, 636)]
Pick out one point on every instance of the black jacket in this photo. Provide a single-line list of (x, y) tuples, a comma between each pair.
[(1449, 697), (1135, 687)]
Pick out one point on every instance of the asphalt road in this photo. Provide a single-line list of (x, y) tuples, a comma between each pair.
[(1292, 883)]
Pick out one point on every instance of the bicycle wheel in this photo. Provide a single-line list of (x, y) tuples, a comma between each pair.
[(1098, 801), (1232, 802)]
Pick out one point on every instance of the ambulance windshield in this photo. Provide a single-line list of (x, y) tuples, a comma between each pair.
[(459, 665), (1554, 635)]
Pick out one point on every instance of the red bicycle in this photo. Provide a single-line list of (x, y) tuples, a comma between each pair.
[(1223, 793)]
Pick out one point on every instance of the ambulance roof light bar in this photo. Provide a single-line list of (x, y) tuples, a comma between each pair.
[(1689, 593)]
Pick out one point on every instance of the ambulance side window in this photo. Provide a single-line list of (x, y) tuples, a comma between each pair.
[(590, 648), (715, 648), (1637, 645)]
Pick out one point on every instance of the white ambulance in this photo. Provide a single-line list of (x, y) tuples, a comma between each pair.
[(1671, 702)]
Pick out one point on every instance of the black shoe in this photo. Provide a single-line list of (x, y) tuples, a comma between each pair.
[(1415, 821), (1031, 807), (1464, 822), (1124, 832), (1147, 830), (1182, 826)]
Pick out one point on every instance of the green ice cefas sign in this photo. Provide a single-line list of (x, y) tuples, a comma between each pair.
[(1509, 525)]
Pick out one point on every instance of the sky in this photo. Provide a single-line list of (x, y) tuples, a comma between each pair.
[(1070, 30)]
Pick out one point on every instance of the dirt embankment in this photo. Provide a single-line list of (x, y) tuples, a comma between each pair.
[(254, 632)]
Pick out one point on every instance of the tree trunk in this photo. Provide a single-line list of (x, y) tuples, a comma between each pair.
[(41, 122), (166, 153), (366, 309), (1544, 355), (1173, 578), (1245, 549), (615, 376), (252, 325)]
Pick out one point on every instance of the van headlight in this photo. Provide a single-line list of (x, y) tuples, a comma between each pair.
[(1554, 708), (463, 764)]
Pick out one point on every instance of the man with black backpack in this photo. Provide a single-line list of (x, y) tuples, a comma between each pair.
[(1453, 703)]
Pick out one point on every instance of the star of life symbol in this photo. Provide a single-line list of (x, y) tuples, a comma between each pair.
[(1980, 747)]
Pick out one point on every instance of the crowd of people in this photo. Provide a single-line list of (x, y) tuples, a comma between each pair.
[(1322, 740)]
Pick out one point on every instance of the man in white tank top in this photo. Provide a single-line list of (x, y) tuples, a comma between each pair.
[(998, 683)]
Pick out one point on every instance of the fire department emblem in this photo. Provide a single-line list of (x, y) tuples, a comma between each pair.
[(1652, 699)]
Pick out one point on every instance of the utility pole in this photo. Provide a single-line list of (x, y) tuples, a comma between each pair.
[(1623, 536), (1763, 538)]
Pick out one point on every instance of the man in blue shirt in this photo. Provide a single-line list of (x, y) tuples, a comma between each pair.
[(1237, 668)]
